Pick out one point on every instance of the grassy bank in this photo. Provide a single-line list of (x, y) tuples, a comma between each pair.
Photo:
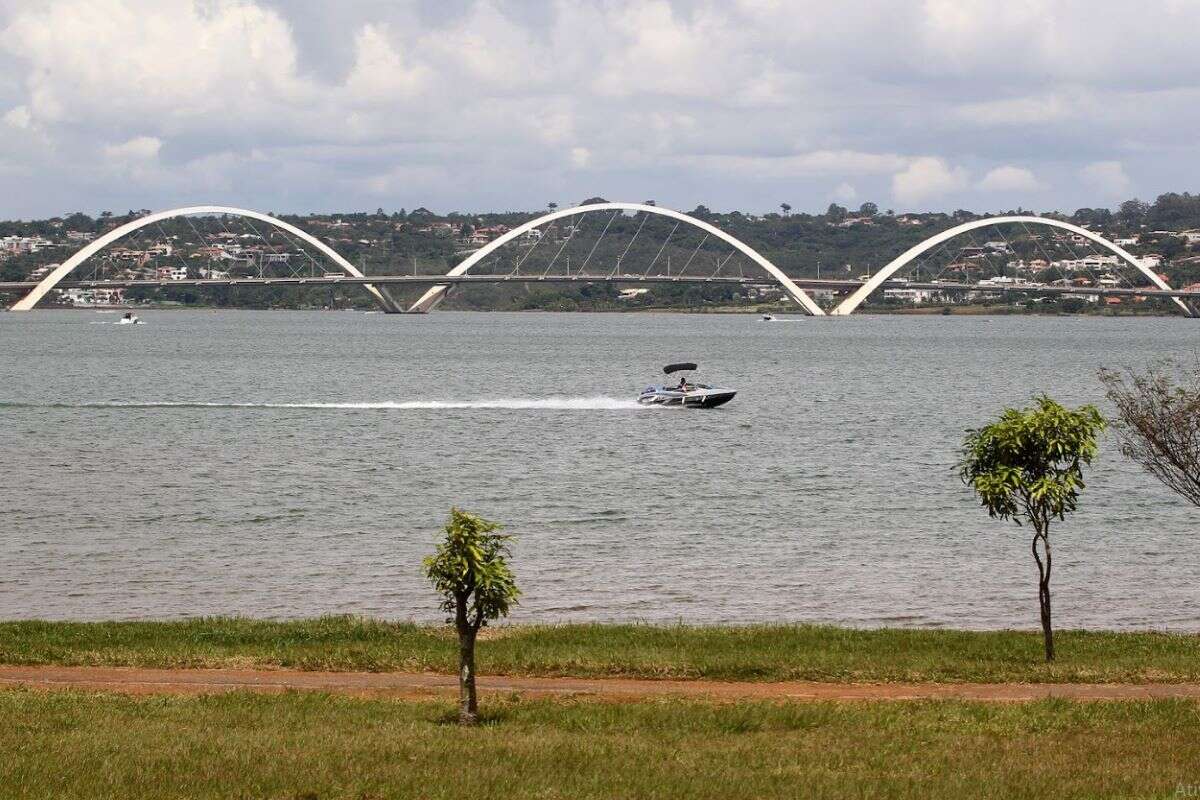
[(68, 745), (752, 653)]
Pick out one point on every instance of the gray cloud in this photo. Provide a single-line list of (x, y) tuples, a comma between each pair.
[(475, 104)]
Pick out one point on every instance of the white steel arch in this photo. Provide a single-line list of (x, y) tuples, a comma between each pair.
[(436, 293), (35, 295), (860, 294)]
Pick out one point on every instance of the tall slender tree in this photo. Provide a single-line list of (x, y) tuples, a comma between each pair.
[(1028, 467)]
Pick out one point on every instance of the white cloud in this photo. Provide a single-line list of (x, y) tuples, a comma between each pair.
[(654, 47), (492, 48), (1040, 42), (927, 178), (1108, 177), (661, 53), (845, 193), (816, 162), (581, 157), (139, 148), (1021, 111), (176, 60), (1010, 179), (380, 73), (19, 117), (965, 32), (402, 178), (316, 105)]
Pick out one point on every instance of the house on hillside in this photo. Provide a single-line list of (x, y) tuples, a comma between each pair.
[(171, 273), (914, 296)]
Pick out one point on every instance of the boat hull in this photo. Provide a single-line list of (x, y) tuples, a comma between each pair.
[(698, 399)]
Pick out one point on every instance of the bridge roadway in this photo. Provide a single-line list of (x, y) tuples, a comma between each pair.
[(458, 280)]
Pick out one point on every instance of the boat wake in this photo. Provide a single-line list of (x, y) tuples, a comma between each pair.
[(506, 403)]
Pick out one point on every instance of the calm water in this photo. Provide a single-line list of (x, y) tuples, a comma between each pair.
[(292, 464)]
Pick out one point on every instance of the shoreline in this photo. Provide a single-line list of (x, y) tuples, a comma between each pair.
[(758, 654)]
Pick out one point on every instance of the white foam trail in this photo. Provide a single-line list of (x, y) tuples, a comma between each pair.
[(509, 403), (513, 404)]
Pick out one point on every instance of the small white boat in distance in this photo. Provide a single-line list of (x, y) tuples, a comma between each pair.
[(768, 318), (129, 319)]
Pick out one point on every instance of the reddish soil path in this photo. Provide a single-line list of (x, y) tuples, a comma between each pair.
[(133, 680)]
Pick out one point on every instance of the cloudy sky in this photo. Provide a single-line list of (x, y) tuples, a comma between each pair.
[(315, 105)]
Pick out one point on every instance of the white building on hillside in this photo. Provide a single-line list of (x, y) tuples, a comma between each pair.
[(914, 296), (94, 297)]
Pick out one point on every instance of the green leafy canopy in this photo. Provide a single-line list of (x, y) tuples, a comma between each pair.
[(1029, 462), (470, 569)]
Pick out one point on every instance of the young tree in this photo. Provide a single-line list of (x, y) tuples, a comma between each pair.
[(786, 208), (1028, 466), (1159, 422), (470, 570)]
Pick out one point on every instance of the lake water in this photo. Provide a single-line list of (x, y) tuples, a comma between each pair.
[(290, 464)]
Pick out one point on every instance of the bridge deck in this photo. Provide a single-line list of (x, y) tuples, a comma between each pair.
[(443, 280)]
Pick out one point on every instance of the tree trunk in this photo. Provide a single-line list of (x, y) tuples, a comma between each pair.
[(1047, 630), (1044, 589), (468, 704)]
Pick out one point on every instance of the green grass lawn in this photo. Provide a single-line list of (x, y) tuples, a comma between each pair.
[(752, 653), (307, 745)]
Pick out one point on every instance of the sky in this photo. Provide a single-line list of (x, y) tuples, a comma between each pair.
[(488, 105)]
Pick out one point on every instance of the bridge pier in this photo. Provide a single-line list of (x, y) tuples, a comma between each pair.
[(387, 303), (430, 300)]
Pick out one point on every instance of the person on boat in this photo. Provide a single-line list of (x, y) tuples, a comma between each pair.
[(683, 384)]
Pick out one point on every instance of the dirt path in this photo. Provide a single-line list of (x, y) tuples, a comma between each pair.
[(134, 680)]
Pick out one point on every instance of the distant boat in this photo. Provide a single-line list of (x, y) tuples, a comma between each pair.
[(129, 319), (685, 393), (767, 318)]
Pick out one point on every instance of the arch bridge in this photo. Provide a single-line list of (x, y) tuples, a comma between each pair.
[(887, 273), (859, 290), (437, 293), (36, 294)]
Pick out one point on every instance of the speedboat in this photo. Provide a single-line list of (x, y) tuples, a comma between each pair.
[(768, 318), (686, 393), (129, 319)]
